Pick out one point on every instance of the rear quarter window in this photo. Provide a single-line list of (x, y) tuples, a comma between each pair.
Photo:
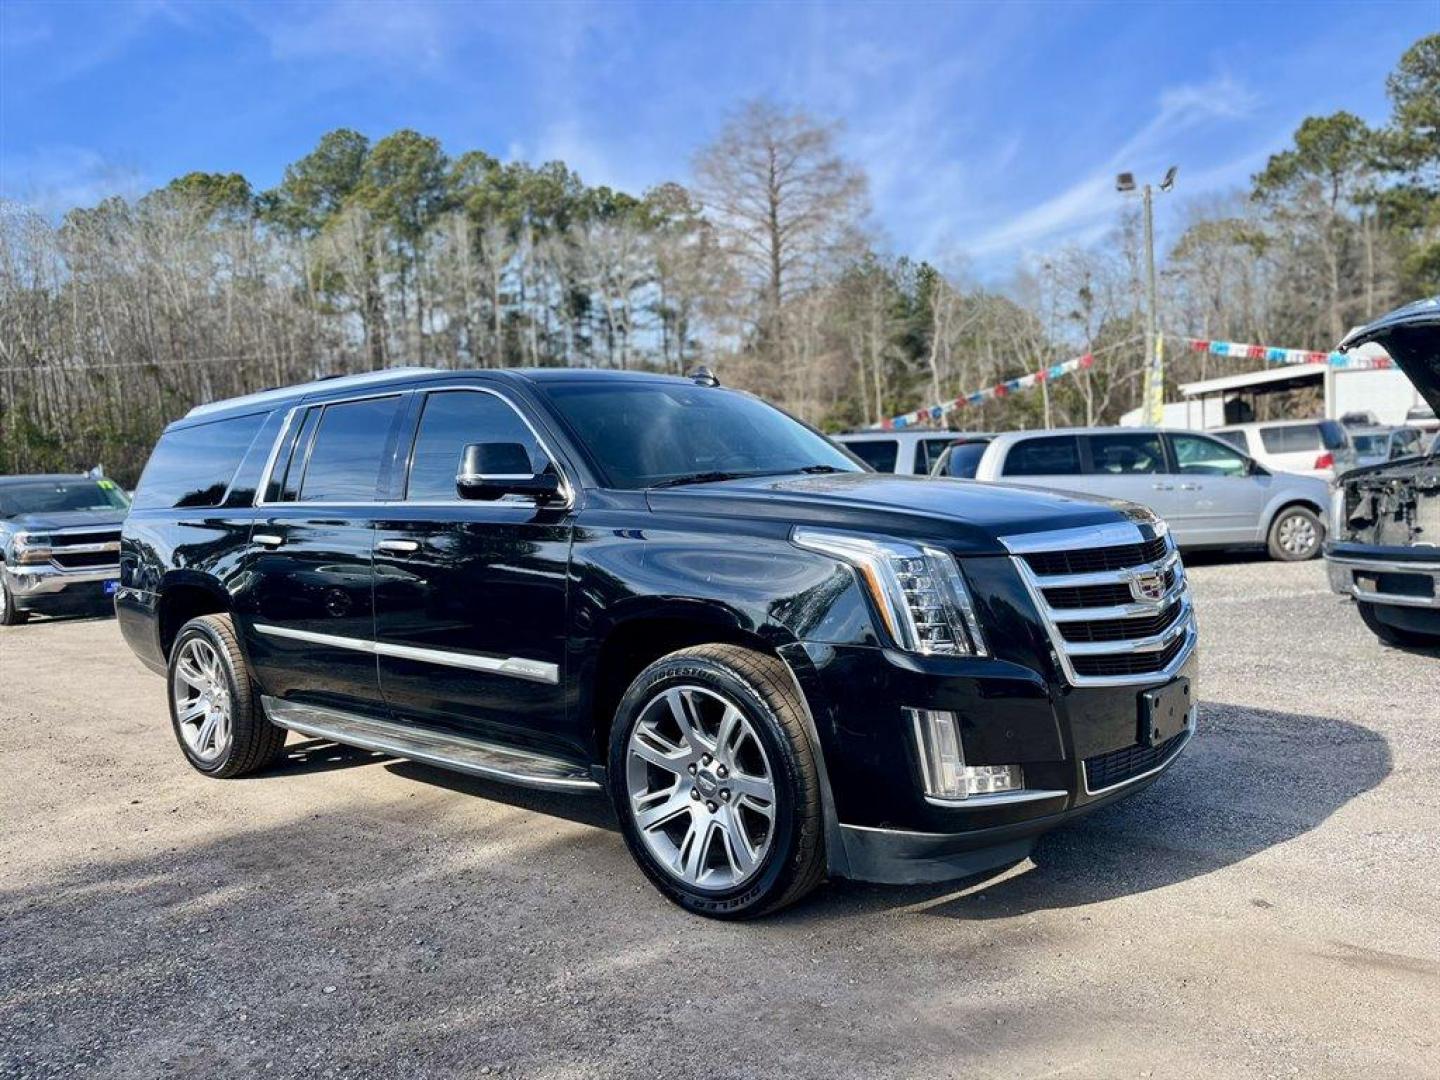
[(194, 466), (1234, 438), (1291, 439), (1056, 455)]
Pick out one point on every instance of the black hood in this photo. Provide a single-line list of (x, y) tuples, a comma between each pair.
[(66, 519), (965, 515), (1411, 335)]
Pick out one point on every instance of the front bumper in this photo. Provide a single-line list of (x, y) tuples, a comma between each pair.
[(1390, 576), (884, 827), (45, 587), (905, 857)]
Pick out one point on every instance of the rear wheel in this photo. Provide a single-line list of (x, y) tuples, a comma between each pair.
[(10, 615), (213, 707), (1295, 535), (1393, 635), (715, 782)]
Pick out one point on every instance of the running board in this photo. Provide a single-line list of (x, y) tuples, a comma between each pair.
[(431, 747)]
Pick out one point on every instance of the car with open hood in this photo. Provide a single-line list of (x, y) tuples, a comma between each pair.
[(778, 664), (1384, 545)]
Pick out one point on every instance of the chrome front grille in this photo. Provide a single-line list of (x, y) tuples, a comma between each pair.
[(1113, 598), (84, 548)]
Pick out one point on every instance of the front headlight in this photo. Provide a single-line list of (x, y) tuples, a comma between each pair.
[(1337, 512), (919, 591), (30, 548)]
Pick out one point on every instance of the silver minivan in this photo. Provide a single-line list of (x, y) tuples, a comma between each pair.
[(1210, 494)]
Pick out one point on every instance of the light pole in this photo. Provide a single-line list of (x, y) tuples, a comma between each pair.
[(1154, 352)]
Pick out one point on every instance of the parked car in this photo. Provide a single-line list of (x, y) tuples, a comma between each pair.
[(1305, 447), (906, 453), (1210, 494), (778, 664), (1384, 547), (59, 545), (1376, 445)]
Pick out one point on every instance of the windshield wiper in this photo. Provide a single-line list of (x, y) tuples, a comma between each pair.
[(703, 478), (818, 469)]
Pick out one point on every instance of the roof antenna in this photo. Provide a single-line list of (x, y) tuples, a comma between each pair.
[(704, 376)]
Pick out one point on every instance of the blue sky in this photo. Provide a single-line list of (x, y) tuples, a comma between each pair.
[(989, 132)]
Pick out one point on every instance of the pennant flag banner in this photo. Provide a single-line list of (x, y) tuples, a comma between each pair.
[(1238, 351), (935, 413), (1233, 349)]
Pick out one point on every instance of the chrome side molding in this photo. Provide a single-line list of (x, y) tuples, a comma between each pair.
[(515, 666)]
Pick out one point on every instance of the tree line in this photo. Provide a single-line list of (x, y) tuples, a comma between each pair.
[(117, 318)]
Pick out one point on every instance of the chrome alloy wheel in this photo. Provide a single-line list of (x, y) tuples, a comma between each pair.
[(701, 789), (202, 700), (1298, 535)]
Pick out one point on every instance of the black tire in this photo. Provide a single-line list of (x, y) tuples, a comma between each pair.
[(1292, 521), (10, 615), (1393, 635), (761, 687), (254, 741)]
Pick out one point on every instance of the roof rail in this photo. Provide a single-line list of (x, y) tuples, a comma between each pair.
[(329, 382)]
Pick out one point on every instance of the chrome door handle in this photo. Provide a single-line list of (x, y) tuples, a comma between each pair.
[(398, 547), (1163, 487), (1190, 487), (268, 539)]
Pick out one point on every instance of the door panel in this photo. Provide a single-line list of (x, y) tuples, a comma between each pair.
[(471, 596), (1130, 466), (310, 610), (307, 599), (1216, 499)]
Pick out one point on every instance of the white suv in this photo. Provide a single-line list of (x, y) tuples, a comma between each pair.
[(1309, 447)]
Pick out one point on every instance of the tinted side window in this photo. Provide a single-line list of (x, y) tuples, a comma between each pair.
[(1118, 455), (1333, 435), (450, 421), (193, 466), (879, 454), (345, 460), (1056, 455), (1290, 440), (1234, 438)]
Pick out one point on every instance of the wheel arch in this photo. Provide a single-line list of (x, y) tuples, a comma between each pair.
[(633, 644), (1285, 502), (183, 597)]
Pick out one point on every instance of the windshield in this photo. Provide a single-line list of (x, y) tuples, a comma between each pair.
[(646, 433), (60, 496), (1371, 444)]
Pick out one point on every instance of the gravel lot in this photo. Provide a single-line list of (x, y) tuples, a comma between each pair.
[(1271, 907)]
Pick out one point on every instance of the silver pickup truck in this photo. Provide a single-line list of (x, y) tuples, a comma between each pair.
[(59, 545)]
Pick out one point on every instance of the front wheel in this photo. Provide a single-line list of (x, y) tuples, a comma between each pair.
[(213, 708), (1295, 535), (10, 615), (715, 782), (1393, 635)]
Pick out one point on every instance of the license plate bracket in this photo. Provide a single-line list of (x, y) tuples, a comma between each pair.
[(1164, 712)]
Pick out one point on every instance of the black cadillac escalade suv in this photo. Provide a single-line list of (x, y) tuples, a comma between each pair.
[(778, 664)]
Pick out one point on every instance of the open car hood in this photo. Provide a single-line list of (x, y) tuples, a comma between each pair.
[(1411, 335)]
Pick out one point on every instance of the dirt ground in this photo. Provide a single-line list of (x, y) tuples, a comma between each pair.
[(1271, 907)]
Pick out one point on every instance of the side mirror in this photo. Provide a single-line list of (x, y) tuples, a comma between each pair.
[(1253, 467), (489, 471)]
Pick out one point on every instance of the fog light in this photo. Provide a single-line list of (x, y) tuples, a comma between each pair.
[(942, 760)]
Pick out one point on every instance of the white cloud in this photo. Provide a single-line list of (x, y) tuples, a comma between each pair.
[(53, 179), (1086, 208)]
